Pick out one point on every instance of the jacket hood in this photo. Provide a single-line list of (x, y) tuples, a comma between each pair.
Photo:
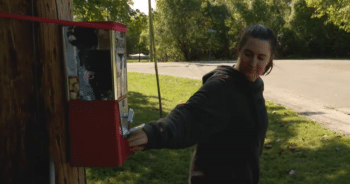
[(230, 71)]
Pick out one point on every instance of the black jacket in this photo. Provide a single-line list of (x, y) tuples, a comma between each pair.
[(227, 119)]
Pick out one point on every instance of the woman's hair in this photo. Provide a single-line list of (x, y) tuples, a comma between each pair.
[(263, 33)]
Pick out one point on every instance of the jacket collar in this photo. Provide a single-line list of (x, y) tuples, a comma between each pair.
[(236, 75)]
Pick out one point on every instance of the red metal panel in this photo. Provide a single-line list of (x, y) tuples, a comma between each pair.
[(95, 136)]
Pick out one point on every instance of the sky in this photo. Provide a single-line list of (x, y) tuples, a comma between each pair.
[(142, 5)]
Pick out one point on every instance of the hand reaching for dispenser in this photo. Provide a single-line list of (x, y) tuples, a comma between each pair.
[(137, 140)]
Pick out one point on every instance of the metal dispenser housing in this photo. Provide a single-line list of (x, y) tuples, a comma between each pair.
[(96, 77)]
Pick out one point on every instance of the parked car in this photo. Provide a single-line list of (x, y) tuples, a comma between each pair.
[(136, 56)]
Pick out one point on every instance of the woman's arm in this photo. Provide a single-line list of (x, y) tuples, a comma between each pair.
[(208, 111)]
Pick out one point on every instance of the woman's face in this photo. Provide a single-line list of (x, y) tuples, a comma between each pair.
[(253, 58)]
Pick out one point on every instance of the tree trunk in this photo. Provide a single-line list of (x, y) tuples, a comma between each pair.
[(33, 119), (186, 52)]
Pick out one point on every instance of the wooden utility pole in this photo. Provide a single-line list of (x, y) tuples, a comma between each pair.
[(34, 138)]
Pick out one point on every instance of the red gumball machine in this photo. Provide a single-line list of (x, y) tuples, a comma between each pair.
[(96, 75)]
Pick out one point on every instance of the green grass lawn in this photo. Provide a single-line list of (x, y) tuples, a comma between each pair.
[(317, 155)]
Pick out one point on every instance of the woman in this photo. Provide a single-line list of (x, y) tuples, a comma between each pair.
[(226, 117)]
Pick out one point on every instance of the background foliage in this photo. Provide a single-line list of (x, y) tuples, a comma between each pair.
[(304, 28)]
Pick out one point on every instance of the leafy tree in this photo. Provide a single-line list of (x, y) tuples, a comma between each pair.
[(312, 38), (136, 25), (261, 12), (179, 27), (308, 28), (217, 14), (165, 43), (144, 41), (249, 12), (182, 29), (280, 7), (101, 10), (338, 11)]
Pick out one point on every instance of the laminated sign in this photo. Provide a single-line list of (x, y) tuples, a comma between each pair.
[(96, 75)]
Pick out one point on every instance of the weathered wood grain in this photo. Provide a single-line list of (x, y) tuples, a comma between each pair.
[(33, 110), (20, 130), (53, 88)]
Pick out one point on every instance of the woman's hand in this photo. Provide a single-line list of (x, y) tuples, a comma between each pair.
[(137, 140)]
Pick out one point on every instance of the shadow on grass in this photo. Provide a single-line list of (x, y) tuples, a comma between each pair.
[(316, 155), (327, 164)]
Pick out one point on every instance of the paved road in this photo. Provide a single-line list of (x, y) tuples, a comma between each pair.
[(318, 89)]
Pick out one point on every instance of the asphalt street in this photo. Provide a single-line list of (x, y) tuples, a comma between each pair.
[(318, 89)]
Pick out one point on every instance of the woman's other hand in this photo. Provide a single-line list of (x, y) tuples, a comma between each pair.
[(137, 140)]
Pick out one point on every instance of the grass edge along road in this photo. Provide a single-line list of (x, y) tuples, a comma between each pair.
[(315, 154)]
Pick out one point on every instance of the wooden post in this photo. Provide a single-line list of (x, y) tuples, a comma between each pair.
[(153, 54), (33, 111)]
